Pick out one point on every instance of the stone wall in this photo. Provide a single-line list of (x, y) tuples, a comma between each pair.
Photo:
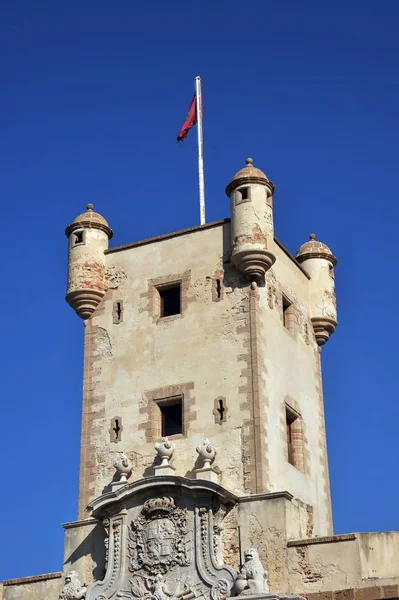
[(367, 593), (128, 363), (39, 587), (290, 381), (84, 549), (350, 561)]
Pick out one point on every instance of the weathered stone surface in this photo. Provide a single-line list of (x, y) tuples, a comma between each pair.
[(46, 586), (253, 360)]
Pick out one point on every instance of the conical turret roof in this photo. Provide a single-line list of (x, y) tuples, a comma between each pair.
[(89, 220), (249, 174), (315, 249)]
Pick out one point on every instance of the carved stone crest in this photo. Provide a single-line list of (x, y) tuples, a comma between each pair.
[(158, 539), (164, 548)]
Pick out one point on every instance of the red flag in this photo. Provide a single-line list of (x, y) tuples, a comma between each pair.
[(190, 121)]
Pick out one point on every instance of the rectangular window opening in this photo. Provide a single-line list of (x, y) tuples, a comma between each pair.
[(172, 417), (77, 238), (289, 421), (295, 441), (244, 193), (170, 300), (286, 312)]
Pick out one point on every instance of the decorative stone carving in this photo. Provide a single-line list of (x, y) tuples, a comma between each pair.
[(204, 524), (106, 541), (323, 328), (219, 512), (157, 539), (159, 542), (162, 550), (114, 277), (165, 451), (115, 538), (252, 576), (161, 587), (207, 452), (123, 466), (220, 590), (73, 589), (272, 296)]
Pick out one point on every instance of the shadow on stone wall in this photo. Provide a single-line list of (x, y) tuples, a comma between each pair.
[(93, 546)]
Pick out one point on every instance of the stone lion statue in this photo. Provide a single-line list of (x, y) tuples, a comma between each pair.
[(73, 589), (252, 576)]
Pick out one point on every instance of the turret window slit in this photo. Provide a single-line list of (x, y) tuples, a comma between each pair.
[(78, 238), (243, 194), (117, 312)]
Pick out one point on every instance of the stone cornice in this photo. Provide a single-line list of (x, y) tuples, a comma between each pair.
[(266, 496), (87, 224), (83, 523), (246, 180), (32, 579), (345, 537), (160, 483), (330, 257)]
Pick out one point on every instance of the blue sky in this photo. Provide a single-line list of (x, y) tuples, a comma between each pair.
[(93, 94)]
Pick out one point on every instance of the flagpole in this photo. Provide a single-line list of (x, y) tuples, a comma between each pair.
[(198, 95)]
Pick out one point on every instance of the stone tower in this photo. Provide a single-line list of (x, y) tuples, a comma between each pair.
[(221, 348), (203, 439)]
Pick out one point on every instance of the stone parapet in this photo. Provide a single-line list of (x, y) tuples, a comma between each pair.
[(45, 586), (344, 562), (363, 593), (32, 579)]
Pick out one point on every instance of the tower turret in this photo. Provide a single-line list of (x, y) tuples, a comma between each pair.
[(251, 201), (318, 261), (88, 237)]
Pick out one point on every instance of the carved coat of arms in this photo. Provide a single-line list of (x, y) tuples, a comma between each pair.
[(164, 553), (159, 538)]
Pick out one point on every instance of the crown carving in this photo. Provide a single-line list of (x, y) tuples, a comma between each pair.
[(159, 505)]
